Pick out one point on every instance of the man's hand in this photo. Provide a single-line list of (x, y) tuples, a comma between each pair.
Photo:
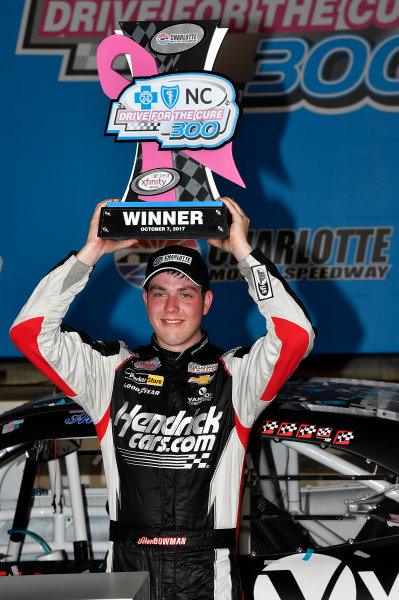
[(237, 242), (95, 246)]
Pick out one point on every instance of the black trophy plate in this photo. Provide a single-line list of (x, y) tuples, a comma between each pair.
[(164, 220)]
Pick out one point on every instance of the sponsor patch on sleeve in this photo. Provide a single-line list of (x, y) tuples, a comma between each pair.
[(262, 282)]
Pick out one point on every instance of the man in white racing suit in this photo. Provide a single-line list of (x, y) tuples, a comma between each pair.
[(173, 417)]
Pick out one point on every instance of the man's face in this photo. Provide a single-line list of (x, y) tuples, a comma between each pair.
[(175, 307)]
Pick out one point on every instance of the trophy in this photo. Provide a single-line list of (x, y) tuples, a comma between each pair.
[(182, 117)]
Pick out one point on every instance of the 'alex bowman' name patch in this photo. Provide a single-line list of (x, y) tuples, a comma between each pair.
[(262, 282)]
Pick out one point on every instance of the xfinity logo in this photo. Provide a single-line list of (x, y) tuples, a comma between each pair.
[(155, 181)]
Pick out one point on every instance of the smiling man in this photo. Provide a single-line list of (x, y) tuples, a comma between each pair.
[(175, 301), (173, 417)]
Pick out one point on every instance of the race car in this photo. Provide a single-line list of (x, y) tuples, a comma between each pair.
[(324, 494), (320, 506)]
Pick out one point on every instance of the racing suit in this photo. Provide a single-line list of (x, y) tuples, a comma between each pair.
[(173, 426)]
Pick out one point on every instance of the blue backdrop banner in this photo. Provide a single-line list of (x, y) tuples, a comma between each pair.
[(317, 147)]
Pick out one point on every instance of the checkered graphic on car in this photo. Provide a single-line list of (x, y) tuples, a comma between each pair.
[(287, 429), (269, 426), (306, 431), (324, 431), (344, 437)]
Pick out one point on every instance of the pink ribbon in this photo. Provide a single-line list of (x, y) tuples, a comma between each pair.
[(219, 160)]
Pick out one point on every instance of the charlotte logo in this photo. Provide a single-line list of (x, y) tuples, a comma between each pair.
[(131, 263), (316, 255), (173, 257), (162, 39), (177, 38), (155, 181)]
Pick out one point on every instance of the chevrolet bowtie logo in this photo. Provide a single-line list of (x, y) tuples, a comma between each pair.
[(202, 379)]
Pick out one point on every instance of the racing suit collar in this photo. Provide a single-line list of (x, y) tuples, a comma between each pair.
[(175, 354)]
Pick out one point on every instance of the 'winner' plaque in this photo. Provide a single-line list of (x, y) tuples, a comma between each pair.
[(182, 117)]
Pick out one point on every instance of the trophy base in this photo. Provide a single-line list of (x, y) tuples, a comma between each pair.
[(164, 220)]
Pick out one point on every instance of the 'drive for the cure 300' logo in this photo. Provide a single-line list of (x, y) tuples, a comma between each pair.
[(187, 109)]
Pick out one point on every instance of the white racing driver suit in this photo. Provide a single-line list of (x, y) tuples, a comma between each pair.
[(173, 427)]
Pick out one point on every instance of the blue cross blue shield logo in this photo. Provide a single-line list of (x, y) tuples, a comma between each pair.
[(170, 95), (145, 97)]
